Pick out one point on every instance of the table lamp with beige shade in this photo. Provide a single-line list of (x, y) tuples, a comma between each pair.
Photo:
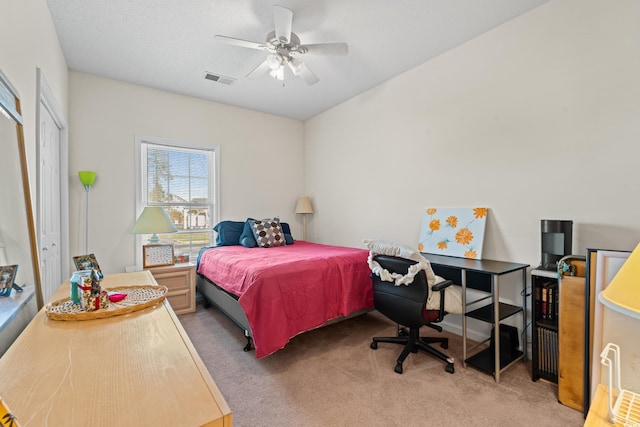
[(304, 207), (153, 220)]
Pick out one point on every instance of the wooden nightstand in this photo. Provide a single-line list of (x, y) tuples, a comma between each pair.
[(181, 281)]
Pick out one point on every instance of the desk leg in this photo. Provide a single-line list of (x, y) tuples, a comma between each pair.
[(463, 279), (496, 328)]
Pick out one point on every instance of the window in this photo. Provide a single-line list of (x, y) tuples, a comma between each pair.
[(183, 181)]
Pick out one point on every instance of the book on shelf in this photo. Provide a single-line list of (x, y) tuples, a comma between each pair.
[(548, 351), (546, 301)]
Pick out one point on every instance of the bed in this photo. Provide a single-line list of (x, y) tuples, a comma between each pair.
[(276, 293)]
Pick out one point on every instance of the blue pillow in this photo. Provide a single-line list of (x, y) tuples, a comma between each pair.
[(228, 232), (248, 240), (288, 237), (246, 237)]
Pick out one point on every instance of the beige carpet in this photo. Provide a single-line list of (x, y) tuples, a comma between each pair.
[(330, 377)]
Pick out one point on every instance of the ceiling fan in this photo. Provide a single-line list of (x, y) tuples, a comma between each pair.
[(284, 49)]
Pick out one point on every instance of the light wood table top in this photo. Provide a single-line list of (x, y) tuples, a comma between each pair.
[(598, 415), (137, 369)]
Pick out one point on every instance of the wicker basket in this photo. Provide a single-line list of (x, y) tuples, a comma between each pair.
[(138, 298)]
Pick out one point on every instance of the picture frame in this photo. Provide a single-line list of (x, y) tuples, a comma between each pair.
[(7, 277), (157, 255), (87, 262)]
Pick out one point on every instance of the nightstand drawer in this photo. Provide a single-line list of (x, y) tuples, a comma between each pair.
[(180, 279), (175, 281), (180, 301)]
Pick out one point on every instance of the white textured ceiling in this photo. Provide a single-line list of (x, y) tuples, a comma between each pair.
[(170, 45)]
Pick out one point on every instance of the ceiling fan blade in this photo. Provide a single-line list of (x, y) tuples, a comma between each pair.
[(325, 48), (241, 43), (261, 69), (307, 75), (283, 19)]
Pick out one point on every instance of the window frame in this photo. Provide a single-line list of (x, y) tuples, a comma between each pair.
[(140, 170)]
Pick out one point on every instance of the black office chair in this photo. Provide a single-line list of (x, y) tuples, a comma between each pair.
[(406, 305)]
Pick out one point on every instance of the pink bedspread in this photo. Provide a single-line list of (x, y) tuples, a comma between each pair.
[(287, 290)]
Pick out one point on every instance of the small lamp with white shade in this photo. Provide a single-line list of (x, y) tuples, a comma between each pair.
[(304, 207)]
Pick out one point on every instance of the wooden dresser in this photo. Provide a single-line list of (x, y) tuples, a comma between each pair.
[(138, 369), (180, 279)]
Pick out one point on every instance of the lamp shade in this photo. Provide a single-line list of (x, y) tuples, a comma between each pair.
[(303, 205), (87, 178), (623, 293), (153, 220)]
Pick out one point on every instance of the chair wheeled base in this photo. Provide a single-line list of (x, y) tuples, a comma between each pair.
[(414, 342)]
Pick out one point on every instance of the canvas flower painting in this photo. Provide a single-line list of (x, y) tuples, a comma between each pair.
[(453, 231)]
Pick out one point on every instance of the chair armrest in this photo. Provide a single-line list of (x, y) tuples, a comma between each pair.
[(438, 287)]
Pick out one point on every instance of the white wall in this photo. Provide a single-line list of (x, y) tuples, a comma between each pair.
[(262, 159), (28, 41), (537, 119)]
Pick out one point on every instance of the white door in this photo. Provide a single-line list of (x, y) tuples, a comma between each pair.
[(49, 204)]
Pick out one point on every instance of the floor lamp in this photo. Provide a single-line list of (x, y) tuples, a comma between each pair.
[(303, 206), (87, 179)]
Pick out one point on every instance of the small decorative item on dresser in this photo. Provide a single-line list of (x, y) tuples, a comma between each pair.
[(157, 255), (7, 276), (87, 262)]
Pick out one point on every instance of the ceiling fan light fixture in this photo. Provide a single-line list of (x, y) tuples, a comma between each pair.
[(278, 73), (274, 62), (295, 65), (281, 46)]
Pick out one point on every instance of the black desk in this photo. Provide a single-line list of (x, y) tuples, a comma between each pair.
[(483, 275)]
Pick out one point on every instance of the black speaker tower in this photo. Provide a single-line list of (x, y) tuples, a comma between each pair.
[(556, 237)]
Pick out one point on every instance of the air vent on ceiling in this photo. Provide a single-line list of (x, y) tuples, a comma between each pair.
[(220, 79)]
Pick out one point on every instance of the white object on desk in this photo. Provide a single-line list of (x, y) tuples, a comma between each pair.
[(626, 408)]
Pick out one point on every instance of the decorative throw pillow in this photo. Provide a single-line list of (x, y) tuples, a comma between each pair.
[(268, 232), (246, 238), (288, 237), (228, 232)]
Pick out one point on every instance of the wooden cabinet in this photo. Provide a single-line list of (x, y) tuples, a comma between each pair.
[(571, 329), (181, 281)]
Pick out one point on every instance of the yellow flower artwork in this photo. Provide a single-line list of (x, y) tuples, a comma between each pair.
[(453, 231)]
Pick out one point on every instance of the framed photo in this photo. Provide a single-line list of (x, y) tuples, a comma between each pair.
[(87, 262), (7, 276), (157, 255)]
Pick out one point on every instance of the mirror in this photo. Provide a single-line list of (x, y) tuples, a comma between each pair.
[(17, 228)]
